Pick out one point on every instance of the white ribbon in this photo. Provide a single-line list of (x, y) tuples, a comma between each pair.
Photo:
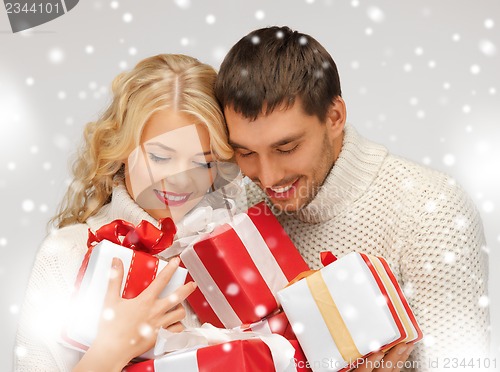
[(197, 224), (263, 259), (282, 351)]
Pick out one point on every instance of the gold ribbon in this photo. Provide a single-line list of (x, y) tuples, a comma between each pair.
[(332, 318)]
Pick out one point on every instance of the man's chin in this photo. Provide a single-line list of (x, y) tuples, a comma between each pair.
[(286, 206)]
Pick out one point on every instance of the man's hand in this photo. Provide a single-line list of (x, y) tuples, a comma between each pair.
[(392, 361)]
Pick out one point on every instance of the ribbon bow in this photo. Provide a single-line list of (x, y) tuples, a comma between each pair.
[(144, 237)]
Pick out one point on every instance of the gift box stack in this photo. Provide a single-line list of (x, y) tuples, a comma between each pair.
[(247, 273)]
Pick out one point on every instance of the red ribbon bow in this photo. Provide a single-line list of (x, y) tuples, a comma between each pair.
[(144, 237)]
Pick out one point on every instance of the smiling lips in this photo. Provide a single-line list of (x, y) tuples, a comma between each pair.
[(282, 192), (172, 199)]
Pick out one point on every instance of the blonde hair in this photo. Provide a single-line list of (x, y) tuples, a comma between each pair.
[(164, 81)]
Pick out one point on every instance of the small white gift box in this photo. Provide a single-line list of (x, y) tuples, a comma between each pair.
[(90, 290), (348, 310)]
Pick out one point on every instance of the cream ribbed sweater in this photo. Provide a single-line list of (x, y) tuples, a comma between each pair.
[(50, 285), (426, 227)]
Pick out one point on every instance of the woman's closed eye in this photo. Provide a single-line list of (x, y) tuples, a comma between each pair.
[(157, 158), (204, 164)]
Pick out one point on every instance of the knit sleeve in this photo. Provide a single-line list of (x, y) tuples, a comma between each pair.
[(445, 274), (38, 345)]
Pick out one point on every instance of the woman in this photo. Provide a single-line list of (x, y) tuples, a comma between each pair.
[(150, 155)]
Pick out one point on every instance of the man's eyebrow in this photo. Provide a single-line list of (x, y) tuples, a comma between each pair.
[(235, 145), (281, 142), (287, 140)]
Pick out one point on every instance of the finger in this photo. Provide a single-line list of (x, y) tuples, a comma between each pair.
[(173, 317), (392, 357), (179, 295), (115, 280), (176, 327), (162, 279), (370, 363), (403, 358)]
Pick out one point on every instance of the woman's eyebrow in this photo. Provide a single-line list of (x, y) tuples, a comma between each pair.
[(159, 144)]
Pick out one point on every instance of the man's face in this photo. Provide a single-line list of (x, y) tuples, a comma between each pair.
[(287, 153)]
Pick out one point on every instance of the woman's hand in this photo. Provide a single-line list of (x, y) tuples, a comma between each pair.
[(392, 361), (128, 327)]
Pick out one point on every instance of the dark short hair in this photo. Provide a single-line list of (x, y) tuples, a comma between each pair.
[(271, 67)]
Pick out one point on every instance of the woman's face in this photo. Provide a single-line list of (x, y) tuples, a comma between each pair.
[(172, 169)]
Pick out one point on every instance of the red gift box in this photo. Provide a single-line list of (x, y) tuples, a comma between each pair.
[(239, 267), (275, 323), (241, 355)]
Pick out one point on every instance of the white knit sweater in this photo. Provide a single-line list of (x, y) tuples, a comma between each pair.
[(426, 227), (51, 283)]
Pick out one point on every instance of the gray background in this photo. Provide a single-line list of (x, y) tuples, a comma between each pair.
[(421, 77)]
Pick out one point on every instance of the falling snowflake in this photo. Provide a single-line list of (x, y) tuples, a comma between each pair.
[(108, 314), (421, 114), (3, 242), (21, 351), (475, 69), (298, 328), (56, 56), (210, 19), (419, 51), (429, 340), (431, 64), (349, 312), (488, 206), (449, 257), (430, 206), (28, 205), (43, 208), (127, 17), (132, 51), (30, 81), (456, 37), (260, 310), (487, 48), (232, 289), (227, 347), (466, 109), (114, 5), (145, 330), (484, 301), (489, 23), (183, 4), (61, 95), (89, 49), (184, 41), (259, 14), (449, 160), (375, 14), (368, 31)]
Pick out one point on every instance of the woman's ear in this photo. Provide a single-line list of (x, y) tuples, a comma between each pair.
[(336, 117)]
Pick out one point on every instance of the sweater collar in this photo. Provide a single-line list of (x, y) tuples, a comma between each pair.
[(355, 169)]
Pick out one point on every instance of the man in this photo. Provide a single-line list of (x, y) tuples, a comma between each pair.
[(333, 189)]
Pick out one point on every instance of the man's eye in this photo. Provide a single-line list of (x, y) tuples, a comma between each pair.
[(245, 154), (158, 159), (288, 151)]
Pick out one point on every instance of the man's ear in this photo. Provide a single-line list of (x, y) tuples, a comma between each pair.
[(336, 116)]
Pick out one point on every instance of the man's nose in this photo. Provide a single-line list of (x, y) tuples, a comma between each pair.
[(270, 172)]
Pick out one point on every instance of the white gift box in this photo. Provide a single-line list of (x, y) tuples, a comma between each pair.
[(92, 283), (348, 310)]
